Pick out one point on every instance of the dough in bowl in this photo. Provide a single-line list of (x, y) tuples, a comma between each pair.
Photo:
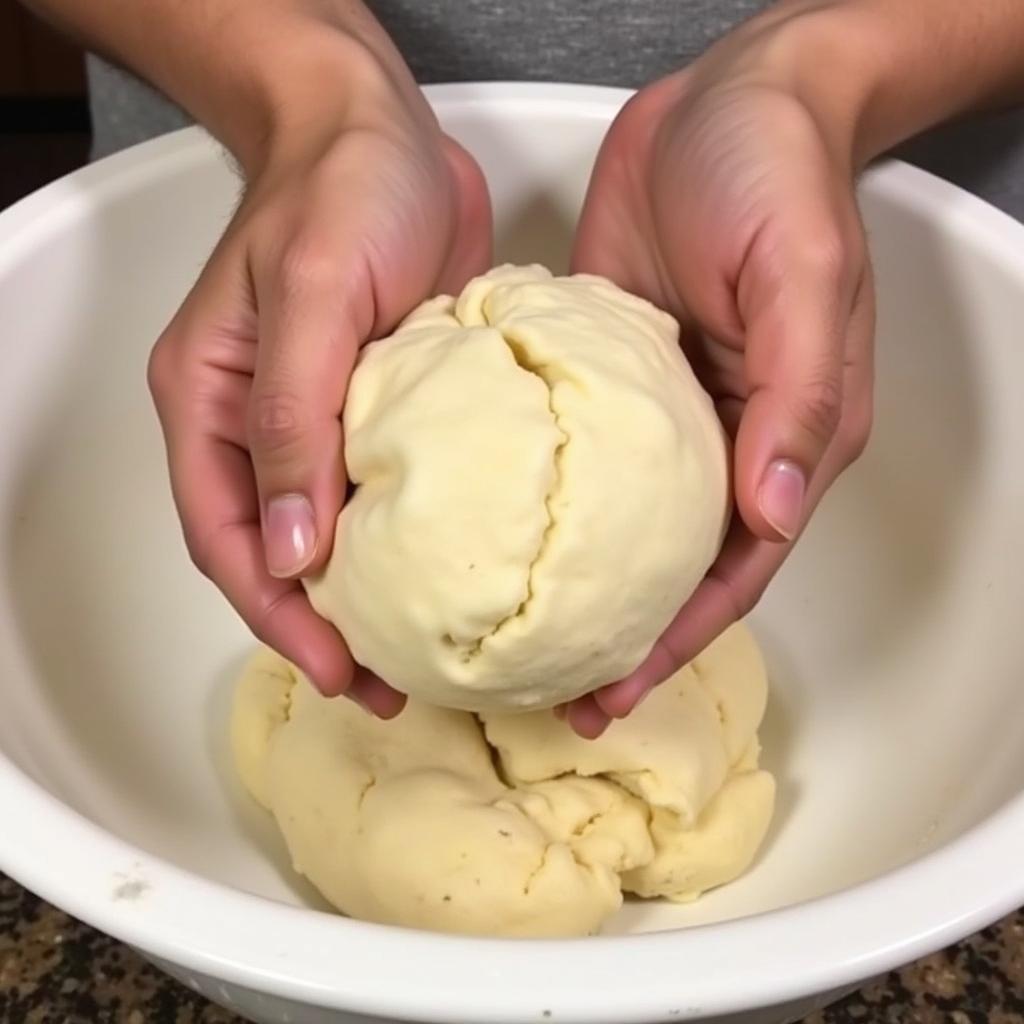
[(541, 482), (518, 828)]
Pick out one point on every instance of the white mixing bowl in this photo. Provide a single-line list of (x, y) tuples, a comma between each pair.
[(894, 635)]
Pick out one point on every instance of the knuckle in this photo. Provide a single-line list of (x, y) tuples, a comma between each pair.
[(824, 257), (162, 368), (737, 599), (201, 551), (855, 246), (855, 431), (257, 623), (676, 655), (263, 615), (277, 421), (307, 266), (743, 601), (818, 407)]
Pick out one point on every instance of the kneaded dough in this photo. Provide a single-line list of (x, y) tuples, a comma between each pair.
[(422, 822), (508, 446)]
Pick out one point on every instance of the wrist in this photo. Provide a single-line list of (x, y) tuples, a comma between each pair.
[(875, 72), (823, 55), (274, 84)]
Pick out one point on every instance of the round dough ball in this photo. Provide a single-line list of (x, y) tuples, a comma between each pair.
[(541, 483)]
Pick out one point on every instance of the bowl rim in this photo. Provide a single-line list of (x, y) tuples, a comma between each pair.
[(326, 960)]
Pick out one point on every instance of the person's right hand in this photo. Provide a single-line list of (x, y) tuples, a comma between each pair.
[(348, 222)]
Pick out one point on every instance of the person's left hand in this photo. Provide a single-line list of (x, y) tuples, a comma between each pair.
[(726, 197)]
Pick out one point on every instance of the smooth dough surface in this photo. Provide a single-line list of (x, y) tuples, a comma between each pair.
[(422, 822), (541, 483)]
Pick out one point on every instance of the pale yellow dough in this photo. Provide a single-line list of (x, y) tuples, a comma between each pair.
[(509, 446), (408, 822)]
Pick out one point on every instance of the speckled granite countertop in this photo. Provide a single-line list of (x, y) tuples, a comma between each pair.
[(54, 970)]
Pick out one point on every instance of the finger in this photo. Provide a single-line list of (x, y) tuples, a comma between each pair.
[(730, 589), (586, 718), (795, 305), (744, 568), (216, 499), (746, 564), (471, 250), (375, 695), (201, 398), (307, 348), (859, 378)]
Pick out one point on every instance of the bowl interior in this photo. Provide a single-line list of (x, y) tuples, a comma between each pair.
[(892, 635)]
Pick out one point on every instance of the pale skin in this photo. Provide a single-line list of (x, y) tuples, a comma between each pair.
[(724, 193)]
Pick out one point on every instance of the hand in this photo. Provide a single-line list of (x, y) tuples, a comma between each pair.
[(344, 227), (724, 196)]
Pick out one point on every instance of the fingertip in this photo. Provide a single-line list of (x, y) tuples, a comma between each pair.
[(586, 719), (374, 695), (617, 700), (770, 491), (292, 628), (290, 535), (773, 467), (326, 512), (325, 661), (781, 495), (330, 688), (383, 703), (390, 706)]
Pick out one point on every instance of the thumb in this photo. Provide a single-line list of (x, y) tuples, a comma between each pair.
[(795, 325), (306, 351)]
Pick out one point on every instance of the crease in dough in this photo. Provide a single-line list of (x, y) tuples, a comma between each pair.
[(521, 356)]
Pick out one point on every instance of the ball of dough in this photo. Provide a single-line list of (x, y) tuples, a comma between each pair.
[(428, 821), (540, 481)]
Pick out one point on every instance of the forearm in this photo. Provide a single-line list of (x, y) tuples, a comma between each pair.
[(249, 70), (889, 69)]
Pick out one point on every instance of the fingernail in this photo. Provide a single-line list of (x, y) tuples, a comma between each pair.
[(781, 497), (289, 534)]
